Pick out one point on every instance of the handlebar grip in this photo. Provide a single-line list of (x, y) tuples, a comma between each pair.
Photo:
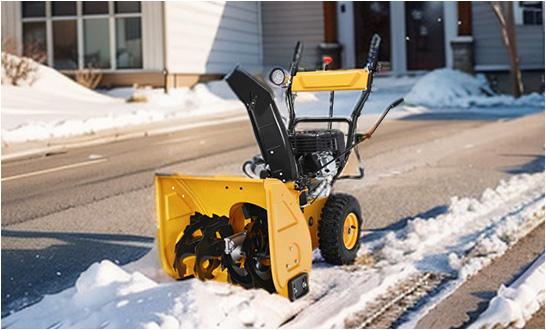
[(397, 102), (374, 51), (296, 59)]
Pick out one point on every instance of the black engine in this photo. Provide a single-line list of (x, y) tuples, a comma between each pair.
[(328, 140), (313, 149)]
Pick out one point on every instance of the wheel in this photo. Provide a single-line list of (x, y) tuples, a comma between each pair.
[(339, 229)]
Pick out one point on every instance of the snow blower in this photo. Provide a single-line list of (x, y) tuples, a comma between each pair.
[(260, 231)]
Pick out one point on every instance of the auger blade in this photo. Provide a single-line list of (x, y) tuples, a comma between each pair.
[(210, 249), (187, 245), (257, 262)]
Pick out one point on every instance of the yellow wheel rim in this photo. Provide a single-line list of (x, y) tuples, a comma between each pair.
[(350, 231)]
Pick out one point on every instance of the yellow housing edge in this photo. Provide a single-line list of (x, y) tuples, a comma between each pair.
[(341, 80), (292, 236)]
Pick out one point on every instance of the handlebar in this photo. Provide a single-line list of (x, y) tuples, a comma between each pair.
[(397, 103), (296, 59), (373, 53)]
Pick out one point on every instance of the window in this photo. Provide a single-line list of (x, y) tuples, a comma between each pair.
[(33, 8), (528, 12), (34, 29), (78, 34), (128, 42), (95, 7), (65, 46), (65, 34), (96, 43), (96, 34), (128, 34), (123, 7), (63, 8), (34, 39)]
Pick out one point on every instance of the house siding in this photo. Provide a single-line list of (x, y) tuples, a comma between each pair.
[(152, 35), (210, 37), (489, 50), (11, 22), (284, 23)]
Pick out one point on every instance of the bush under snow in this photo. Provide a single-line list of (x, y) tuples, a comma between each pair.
[(18, 71)]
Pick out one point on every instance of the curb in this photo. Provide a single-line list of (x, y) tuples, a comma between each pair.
[(65, 144)]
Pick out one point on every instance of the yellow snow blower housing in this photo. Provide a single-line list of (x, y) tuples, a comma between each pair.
[(260, 231), (180, 198)]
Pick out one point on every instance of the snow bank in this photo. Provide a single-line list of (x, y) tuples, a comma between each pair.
[(461, 241), (56, 107), (448, 88), (49, 81), (516, 304)]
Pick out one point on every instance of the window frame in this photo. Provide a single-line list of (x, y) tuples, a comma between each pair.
[(80, 17), (519, 10)]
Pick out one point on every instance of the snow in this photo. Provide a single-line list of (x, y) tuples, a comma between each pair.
[(60, 108), (54, 106), (515, 304), (459, 242), (448, 88)]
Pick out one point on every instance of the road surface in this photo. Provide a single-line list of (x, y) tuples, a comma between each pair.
[(63, 212)]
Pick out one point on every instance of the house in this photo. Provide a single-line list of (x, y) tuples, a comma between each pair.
[(180, 43)]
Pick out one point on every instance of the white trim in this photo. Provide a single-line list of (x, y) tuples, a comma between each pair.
[(112, 35), (33, 19), (49, 34), (398, 37), (506, 67), (128, 14), (64, 18), (451, 18), (165, 43), (346, 33), (518, 13), (95, 16), (79, 29)]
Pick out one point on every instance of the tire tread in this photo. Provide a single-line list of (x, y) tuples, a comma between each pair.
[(332, 218)]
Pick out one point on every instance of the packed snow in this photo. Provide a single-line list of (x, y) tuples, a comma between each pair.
[(54, 106), (515, 304), (448, 88), (459, 242)]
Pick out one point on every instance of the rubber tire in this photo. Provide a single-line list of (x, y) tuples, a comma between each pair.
[(330, 229)]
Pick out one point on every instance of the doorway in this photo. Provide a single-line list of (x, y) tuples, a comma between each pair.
[(425, 46), (372, 17)]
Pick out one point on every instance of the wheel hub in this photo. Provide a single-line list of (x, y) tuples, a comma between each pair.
[(350, 234)]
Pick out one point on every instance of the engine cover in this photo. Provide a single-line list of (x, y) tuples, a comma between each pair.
[(318, 141)]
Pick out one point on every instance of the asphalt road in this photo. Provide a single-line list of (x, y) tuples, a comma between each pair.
[(63, 212)]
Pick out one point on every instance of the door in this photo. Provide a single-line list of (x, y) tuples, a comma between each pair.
[(372, 17), (425, 46)]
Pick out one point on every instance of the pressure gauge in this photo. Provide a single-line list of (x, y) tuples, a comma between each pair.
[(277, 76)]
